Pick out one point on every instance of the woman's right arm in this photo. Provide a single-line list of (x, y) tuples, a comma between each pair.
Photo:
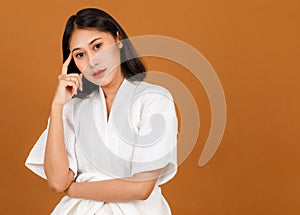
[(56, 163)]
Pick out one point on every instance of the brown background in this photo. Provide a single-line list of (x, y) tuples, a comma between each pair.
[(253, 46)]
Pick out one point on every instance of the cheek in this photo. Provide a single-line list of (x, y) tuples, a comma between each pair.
[(81, 65), (113, 56), (116, 53)]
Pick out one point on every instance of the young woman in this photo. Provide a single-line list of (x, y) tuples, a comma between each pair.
[(111, 137)]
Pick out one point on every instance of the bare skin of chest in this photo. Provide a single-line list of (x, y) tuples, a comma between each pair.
[(108, 106)]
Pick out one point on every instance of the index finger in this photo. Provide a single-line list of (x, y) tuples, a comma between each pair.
[(66, 64)]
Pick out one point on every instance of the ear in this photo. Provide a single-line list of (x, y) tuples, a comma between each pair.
[(119, 40)]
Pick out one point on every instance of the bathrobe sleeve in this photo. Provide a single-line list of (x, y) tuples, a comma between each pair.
[(156, 142), (35, 159)]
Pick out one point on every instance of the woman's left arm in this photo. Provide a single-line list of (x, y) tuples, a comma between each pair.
[(137, 187)]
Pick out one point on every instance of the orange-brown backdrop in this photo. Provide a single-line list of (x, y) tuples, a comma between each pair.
[(254, 48)]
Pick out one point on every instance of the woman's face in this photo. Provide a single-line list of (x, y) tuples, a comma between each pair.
[(97, 55)]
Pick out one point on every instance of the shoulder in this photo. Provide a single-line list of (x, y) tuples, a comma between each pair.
[(152, 91), (148, 87), (153, 97)]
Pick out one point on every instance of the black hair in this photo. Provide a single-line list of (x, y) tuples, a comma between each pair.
[(92, 18)]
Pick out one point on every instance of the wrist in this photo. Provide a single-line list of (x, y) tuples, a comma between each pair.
[(56, 111), (56, 106), (71, 191)]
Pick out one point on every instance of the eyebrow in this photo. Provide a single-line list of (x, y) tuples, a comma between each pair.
[(98, 38)]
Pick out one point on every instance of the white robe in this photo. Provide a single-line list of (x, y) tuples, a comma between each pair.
[(140, 135)]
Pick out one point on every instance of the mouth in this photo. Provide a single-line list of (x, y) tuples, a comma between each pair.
[(99, 73)]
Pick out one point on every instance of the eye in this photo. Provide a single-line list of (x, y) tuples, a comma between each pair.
[(97, 46), (79, 55)]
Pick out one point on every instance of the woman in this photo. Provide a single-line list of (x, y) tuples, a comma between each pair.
[(111, 138)]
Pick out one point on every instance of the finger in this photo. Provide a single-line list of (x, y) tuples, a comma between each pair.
[(76, 80), (79, 79), (72, 79), (66, 64), (68, 78), (61, 77), (71, 84)]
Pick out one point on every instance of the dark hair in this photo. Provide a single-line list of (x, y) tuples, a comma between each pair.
[(93, 18)]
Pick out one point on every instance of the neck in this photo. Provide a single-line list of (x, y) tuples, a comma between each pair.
[(112, 88)]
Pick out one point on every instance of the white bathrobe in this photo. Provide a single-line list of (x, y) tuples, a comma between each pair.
[(139, 135)]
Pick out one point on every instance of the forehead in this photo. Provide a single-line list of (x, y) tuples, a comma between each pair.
[(82, 37)]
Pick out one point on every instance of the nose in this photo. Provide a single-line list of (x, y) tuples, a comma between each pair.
[(94, 60)]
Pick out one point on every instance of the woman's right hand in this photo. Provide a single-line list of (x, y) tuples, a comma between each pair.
[(67, 85)]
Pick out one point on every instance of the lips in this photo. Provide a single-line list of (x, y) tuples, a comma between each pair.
[(99, 73)]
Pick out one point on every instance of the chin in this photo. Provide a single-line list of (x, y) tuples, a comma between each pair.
[(104, 83), (101, 83)]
